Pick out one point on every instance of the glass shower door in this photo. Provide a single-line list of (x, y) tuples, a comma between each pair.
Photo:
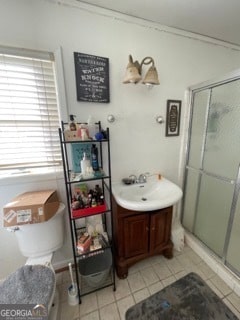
[(220, 164), (233, 256), (222, 146), (199, 119), (213, 212)]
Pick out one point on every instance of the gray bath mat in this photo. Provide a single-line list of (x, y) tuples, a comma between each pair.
[(189, 298)]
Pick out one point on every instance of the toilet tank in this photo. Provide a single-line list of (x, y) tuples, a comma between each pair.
[(39, 239)]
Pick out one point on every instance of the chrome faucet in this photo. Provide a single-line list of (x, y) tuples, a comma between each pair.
[(143, 177), (133, 178)]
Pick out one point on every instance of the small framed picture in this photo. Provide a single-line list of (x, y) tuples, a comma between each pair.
[(173, 117)]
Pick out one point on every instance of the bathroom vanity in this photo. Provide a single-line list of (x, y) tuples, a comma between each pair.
[(139, 235)]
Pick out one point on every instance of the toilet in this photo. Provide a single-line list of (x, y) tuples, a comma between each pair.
[(38, 242)]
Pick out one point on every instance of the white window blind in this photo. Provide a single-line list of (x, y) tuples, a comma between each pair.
[(29, 117)]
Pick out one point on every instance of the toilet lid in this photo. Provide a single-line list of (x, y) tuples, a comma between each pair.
[(28, 285), (44, 260)]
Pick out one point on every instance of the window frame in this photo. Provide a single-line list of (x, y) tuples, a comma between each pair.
[(56, 56)]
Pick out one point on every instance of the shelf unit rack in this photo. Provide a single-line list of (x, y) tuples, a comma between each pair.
[(102, 177)]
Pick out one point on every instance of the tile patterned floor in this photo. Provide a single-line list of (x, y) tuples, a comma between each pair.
[(144, 279)]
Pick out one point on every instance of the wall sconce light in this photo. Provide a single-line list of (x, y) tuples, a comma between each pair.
[(134, 71)]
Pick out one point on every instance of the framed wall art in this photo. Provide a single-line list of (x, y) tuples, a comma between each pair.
[(173, 117), (92, 78)]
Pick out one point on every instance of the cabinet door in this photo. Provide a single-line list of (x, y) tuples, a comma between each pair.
[(160, 229), (135, 235)]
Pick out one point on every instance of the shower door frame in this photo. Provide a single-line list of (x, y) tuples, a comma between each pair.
[(209, 85)]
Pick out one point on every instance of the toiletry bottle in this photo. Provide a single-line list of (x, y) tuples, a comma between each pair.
[(102, 199), (72, 123), (85, 163), (84, 134), (91, 127), (94, 202), (98, 190), (94, 157)]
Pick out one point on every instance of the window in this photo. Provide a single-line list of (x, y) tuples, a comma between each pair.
[(29, 117)]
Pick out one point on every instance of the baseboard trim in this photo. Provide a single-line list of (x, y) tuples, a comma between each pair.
[(62, 265)]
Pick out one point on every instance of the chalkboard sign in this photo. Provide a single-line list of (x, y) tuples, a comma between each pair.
[(92, 77)]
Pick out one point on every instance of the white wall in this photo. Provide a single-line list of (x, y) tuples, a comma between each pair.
[(138, 143)]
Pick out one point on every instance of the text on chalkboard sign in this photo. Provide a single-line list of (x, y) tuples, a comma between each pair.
[(92, 77)]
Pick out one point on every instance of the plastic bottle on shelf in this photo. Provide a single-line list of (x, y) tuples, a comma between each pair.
[(85, 164), (91, 127), (98, 190), (84, 134), (94, 158)]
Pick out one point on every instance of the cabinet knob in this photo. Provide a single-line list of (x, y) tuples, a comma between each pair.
[(147, 229), (153, 228)]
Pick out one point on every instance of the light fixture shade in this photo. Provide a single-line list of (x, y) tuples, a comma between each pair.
[(132, 74), (151, 77)]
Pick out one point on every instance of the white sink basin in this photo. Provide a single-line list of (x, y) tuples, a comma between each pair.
[(152, 195)]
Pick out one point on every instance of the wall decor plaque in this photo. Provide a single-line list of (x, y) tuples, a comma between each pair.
[(92, 78), (173, 117)]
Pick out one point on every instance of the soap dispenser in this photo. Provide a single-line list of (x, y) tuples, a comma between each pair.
[(72, 123)]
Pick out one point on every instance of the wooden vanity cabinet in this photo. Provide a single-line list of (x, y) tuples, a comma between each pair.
[(135, 235), (139, 235)]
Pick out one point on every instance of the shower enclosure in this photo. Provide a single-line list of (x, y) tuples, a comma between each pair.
[(211, 206)]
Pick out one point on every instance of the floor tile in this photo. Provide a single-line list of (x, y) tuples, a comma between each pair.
[(105, 296), (231, 307), (162, 271), (149, 276), (221, 285), (214, 289), (236, 288), (196, 269), (91, 316), (110, 312), (63, 291), (124, 304), (194, 257), (141, 295), (234, 300), (136, 281), (123, 289), (157, 259), (181, 274), (184, 260), (153, 288), (89, 304), (168, 281), (207, 271), (140, 265), (69, 312), (174, 266), (145, 278)]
